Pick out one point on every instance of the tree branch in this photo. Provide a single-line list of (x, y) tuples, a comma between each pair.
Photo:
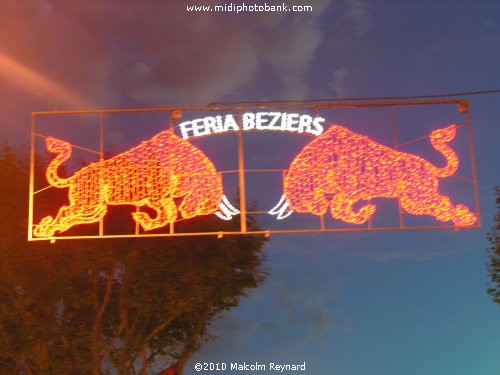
[(96, 355)]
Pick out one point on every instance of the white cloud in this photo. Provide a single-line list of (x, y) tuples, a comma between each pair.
[(357, 10), (340, 77), (157, 51)]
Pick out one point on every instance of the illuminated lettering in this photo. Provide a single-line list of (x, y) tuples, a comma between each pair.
[(199, 128), (275, 117), (292, 119), (186, 127), (248, 121), (305, 123), (213, 124), (230, 123), (318, 128), (219, 123), (291, 122), (261, 120)]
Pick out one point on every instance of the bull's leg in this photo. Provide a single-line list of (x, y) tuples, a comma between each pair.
[(308, 201), (318, 205), (341, 208), (67, 217), (441, 208), (197, 203), (166, 212)]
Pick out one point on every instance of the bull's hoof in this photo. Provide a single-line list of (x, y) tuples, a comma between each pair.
[(362, 215), (366, 212), (144, 220), (463, 216), (343, 211), (45, 229)]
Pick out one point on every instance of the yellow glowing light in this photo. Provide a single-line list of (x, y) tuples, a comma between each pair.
[(349, 167), (151, 174)]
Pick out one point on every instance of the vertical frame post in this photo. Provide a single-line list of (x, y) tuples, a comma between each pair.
[(171, 227), (241, 174), (394, 127), (473, 161), (101, 158), (322, 217), (136, 229), (32, 178)]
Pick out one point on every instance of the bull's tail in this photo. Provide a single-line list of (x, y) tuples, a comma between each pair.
[(63, 149), (439, 140)]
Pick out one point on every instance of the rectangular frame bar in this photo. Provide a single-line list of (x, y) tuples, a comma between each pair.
[(241, 166)]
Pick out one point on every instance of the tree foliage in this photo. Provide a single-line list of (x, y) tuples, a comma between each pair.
[(111, 306), (494, 253)]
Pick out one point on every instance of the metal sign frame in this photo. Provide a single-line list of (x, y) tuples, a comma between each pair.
[(316, 107)]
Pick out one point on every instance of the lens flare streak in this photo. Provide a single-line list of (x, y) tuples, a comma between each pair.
[(33, 82)]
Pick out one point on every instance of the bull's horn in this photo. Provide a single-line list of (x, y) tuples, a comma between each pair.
[(228, 210), (280, 211)]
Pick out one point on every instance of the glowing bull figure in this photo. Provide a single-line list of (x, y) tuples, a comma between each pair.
[(151, 174), (340, 167)]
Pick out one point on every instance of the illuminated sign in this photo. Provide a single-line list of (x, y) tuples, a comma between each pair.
[(280, 121), (350, 167), (339, 176), (151, 174)]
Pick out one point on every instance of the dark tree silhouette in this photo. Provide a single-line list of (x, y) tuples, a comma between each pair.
[(111, 306), (493, 266)]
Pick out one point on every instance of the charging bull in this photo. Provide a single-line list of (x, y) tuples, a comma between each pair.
[(340, 167), (151, 174)]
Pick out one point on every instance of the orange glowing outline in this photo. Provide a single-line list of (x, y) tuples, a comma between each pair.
[(350, 167), (151, 174)]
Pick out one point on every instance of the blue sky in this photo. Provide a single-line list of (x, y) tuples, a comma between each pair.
[(347, 304)]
